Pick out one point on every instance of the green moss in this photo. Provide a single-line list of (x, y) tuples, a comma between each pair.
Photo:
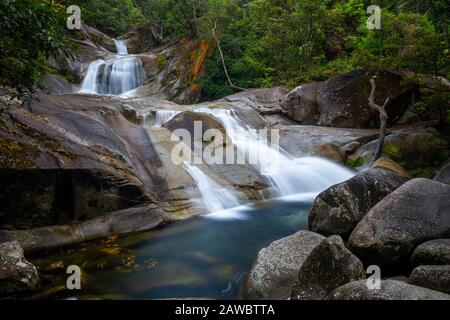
[(358, 162), (161, 61), (16, 154), (392, 151)]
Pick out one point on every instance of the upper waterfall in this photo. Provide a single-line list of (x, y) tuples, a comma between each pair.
[(121, 47), (115, 76)]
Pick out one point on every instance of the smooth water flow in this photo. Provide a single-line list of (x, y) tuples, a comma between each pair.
[(121, 47), (288, 175), (214, 197), (163, 116), (116, 76)]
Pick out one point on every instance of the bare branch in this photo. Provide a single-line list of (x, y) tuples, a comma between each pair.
[(383, 118)]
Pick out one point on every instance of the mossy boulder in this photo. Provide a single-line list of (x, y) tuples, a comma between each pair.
[(413, 149)]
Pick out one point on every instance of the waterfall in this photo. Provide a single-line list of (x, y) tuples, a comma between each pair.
[(293, 175), (163, 116), (214, 197), (115, 76), (121, 47)]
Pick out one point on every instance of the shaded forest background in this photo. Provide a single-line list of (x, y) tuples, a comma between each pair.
[(264, 42)]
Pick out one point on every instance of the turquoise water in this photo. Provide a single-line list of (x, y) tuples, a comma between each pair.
[(205, 257)]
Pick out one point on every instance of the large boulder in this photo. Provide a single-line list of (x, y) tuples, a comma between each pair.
[(434, 252), (265, 101), (338, 210), (342, 101), (328, 266), (432, 277), (390, 290), (276, 267), (332, 143), (414, 149), (16, 274), (444, 175), (416, 212), (301, 104)]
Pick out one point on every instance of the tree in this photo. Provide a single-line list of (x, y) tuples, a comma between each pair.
[(30, 31)]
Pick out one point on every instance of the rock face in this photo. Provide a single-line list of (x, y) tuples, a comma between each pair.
[(276, 267), (444, 175), (342, 101), (332, 143), (328, 266), (416, 212), (16, 274), (301, 104), (338, 210), (432, 277), (121, 223), (390, 290), (265, 101), (411, 148), (390, 165), (434, 252)]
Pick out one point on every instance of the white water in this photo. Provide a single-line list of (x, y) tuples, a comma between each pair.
[(163, 116), (289, 176), (116, 76), (121, 47), (214, 197)]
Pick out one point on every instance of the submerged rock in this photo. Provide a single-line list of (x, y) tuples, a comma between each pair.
[(16, 273), (276, 268), (338, 210), (434, 252), (416, 212), (390, 290), (432, 277), (328, 266)]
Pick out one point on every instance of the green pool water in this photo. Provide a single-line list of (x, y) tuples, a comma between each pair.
[(205, 257)]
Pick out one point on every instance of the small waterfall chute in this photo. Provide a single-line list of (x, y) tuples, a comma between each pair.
[(164, 116), (214, 197), (121, 47)]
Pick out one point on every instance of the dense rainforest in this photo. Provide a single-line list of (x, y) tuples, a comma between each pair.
[(264, 42)]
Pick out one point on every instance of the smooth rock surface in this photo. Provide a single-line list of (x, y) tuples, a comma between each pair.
[(338, 210), (276, 267), (432, 277), (328, 266), (434, 252), (416, 212), (390, 290)]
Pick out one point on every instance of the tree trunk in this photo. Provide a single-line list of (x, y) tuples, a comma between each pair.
[(225, 69), (383, 119)]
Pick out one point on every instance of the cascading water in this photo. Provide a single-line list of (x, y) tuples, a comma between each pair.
[(163, 116), (121, 47), (288, 175), (214, 197), (115, 76)]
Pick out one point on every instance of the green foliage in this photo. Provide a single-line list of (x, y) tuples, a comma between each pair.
[(30, 31), (113, 17)]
